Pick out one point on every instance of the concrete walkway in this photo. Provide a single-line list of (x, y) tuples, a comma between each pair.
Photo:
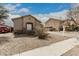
[(55, 49)]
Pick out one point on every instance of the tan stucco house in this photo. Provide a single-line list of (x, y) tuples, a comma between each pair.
[(53, 23), (27, 24)]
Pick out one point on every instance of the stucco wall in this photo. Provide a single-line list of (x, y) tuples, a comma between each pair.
[(53, 23), (17, 24), (28, 20)]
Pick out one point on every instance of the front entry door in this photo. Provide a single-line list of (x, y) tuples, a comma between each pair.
[(29, 26)]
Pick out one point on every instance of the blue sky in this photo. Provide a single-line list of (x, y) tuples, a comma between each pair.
[(37, 8), (45, 8), (42, 11)]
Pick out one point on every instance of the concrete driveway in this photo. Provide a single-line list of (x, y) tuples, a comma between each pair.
[(55, 49), (67, 34)]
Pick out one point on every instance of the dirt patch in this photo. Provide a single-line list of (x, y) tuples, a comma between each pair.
[(22, 44)]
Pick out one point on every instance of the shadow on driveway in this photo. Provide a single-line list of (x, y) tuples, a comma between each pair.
[(4, 40)]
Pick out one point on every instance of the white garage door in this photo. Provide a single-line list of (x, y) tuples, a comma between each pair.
[(29, 26)]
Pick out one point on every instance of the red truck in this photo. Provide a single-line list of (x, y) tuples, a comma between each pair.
[(5, 29)]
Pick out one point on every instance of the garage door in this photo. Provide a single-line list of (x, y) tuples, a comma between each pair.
[(29, 26)]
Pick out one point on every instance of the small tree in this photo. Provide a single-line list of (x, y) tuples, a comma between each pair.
[(3, 12), (73, 13)]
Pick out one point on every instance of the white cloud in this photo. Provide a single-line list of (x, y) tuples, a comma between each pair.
[(57, 15), (17, 5), (23, 10), (14, 16), (11, 7)]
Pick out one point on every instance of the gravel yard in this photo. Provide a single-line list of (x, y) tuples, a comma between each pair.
[(10, 45)]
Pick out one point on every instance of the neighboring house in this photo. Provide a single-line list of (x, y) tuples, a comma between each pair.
[(69, 22), (27, 24), (58, 24), (53, 23)]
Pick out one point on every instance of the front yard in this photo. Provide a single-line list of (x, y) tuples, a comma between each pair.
[(10, 45)]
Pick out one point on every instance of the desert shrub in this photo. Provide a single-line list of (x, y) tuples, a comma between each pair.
[(42, 36)]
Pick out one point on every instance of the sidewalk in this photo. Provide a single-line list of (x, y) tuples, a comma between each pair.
[(55, 49)]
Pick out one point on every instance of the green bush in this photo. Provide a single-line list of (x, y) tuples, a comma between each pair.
[(72, 27)]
